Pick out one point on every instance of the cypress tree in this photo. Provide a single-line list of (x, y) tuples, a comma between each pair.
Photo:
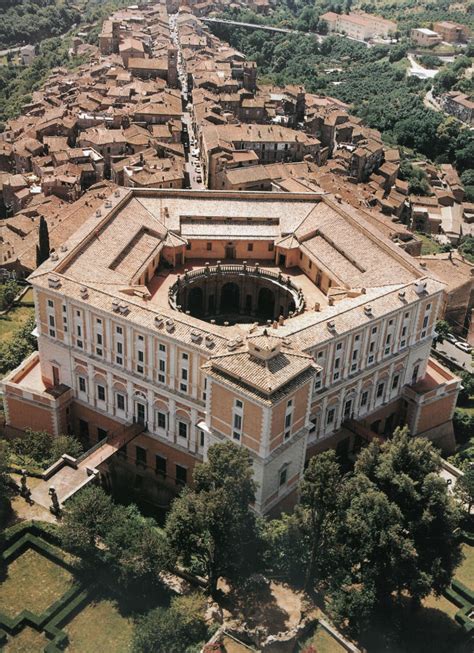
[(42, 252)]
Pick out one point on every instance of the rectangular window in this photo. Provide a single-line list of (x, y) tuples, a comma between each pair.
[(380, 389), (162, 363), (317, 381), (250, 247), (50, 303), (101, 434), (331, 414), (161, 370), (182, 430), (237, 419), (82, 384), (83, 428), (209, 247), (395, 381), (181, 475), (160, 466), (364, 399), (161, 420), (283, 476), (120, 399), (140, 456), (100, 393)]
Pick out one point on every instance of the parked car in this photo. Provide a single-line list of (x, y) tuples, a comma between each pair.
[(451, 338), (463, 346)]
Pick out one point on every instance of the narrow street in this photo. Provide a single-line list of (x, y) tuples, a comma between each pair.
[(191, 148), (417, 70), (461, 358)]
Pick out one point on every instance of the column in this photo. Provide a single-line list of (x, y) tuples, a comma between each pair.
[(172, 420), (192, 431)]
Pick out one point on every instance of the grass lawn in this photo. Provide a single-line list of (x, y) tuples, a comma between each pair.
[(14, 319), (28, 640), (99, 627), (323, 642), (33, 583), (233, 646), (440, 603), (428, 245), (465, 572), (407, 630)]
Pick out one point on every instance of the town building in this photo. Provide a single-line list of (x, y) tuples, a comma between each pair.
[(459, 105), (360, 26), (425, 37), (452, 32), (282, 322)]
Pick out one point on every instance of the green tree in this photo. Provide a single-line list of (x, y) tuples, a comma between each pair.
[(467, 388), (87, 517), (177, 629), (443, 329), (42, 251), (42, 449), (21, 345), (285, 550), (316, 514), (5, 487), (8, 292), (464, 489), (213, 523), (395, 529), (134, 549)]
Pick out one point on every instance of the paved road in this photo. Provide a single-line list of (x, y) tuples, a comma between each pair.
[(463, 359), (416, 70), (281, 30), (3, 53), (191, 163)]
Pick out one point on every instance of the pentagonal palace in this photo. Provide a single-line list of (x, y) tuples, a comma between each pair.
[(280, 321)]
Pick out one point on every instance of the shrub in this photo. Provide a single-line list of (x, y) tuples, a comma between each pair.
[(21, 345), (8, 292), (40, 449), (175, 630)]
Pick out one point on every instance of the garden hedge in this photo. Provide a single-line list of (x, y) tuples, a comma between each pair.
[(40, 536)]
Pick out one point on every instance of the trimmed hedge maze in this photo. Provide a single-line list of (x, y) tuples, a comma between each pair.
[(463, 597), (31, 535)]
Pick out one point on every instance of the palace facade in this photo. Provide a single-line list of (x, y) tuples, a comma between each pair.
[(282, 322)]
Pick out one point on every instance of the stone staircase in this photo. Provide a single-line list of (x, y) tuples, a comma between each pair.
[(68, 475)]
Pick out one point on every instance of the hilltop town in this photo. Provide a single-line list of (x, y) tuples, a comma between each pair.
[(233, 301)]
